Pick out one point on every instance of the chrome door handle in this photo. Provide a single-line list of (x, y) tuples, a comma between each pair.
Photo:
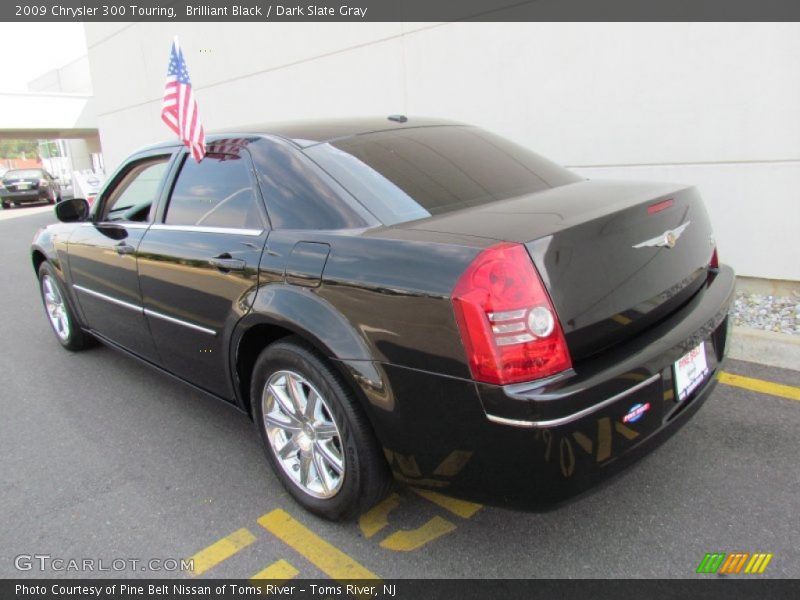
[(225, 263), (123, 248)]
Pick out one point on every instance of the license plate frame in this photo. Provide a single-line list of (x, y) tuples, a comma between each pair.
[(690, 371)]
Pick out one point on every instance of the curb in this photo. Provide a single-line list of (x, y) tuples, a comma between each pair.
[(765, 347)]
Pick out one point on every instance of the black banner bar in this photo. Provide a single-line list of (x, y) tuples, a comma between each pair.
[(400, 589), (398, 10)]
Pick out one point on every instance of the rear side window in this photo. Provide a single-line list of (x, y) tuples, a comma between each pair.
[(298, 195), (217, 192), (406, 174)]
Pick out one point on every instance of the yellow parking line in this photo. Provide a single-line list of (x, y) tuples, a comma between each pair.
[(279, 571), (326, 557), (410, 539), (461, 508), (221, 550), (376, 518), (759, 385)]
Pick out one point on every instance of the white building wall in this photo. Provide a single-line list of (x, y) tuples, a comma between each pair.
[(717, 105), (72, 78)]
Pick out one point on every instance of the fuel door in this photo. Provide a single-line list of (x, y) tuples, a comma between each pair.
[(306, 262)]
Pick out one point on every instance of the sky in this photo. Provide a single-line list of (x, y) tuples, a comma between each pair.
[(42, 47)]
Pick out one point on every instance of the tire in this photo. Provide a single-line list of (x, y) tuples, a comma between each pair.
[(59, 311), (6, 205), (364, 479)]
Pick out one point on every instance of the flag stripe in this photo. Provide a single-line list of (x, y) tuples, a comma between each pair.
[(179, 108)]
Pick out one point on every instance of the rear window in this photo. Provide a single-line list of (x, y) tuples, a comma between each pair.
[(25, 174), (408, 174)]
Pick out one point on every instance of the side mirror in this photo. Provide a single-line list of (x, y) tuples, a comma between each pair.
[(72, 210)]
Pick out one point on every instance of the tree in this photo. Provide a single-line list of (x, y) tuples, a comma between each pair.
[(10, 148)]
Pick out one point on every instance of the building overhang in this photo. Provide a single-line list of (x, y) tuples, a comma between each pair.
[(47, 115)]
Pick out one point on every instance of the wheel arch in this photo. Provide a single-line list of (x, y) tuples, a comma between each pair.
[(336, 344), (38, 257)]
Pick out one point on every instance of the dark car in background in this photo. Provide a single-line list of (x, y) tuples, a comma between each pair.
[(410, 300), (19, 186)]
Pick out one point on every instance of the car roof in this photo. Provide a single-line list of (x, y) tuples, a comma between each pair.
[(311, 132)]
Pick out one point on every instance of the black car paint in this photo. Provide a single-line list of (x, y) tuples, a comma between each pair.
[(376, 301)]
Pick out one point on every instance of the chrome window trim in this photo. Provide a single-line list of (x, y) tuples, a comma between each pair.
[(110, 299), (576, 415), (120, 224), (158, 315), (204, 229)]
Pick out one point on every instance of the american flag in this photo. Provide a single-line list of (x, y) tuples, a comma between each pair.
[(179, 109)]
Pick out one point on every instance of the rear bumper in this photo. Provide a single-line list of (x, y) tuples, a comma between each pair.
[(26, 196), (535, 446), (633, 370)]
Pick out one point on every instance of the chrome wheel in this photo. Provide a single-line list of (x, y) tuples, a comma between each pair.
[(303, 435), (56, 310)]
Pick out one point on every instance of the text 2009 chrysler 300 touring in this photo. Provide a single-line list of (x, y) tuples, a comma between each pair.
[(403, 299)]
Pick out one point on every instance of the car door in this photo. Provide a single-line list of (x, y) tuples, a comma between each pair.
[(102, 254), (198, 265)]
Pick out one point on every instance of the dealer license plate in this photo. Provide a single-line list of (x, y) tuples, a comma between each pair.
[(691, 370)]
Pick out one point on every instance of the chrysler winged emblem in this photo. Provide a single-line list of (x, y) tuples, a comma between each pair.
[(668, 239)]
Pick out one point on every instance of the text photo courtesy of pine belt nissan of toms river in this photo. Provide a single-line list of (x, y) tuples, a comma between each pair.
[(402, 299)]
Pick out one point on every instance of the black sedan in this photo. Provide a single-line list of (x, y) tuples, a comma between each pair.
[(402, 299), (20, 186)]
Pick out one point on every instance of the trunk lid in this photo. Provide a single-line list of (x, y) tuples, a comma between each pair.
[(616, 257), (20, 184)]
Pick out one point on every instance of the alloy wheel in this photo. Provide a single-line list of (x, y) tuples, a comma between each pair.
[(303, 434), (56, 310)]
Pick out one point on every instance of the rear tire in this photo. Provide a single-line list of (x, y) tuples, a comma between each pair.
[(59, 311), (326, 457), (6, 205)]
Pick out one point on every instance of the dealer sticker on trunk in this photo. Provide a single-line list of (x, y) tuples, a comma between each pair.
[(690, 371)]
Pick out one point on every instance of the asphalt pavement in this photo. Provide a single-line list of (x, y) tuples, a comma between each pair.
[(103, 458)]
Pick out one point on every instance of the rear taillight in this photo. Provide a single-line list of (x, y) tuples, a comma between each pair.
[(714, 262), (507, 322)]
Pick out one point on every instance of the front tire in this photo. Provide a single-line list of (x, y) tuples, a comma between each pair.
[(317, 439), (59, 311)]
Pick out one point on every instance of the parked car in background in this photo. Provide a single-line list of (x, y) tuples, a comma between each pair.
[(415, 300), (19, 186)]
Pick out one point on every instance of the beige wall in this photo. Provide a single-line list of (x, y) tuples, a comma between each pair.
[(717, 105)]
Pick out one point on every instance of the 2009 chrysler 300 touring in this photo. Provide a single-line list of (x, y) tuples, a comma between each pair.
[(402, 299)]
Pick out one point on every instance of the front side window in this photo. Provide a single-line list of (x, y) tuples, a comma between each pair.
[(217, 192), (134, 197)]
